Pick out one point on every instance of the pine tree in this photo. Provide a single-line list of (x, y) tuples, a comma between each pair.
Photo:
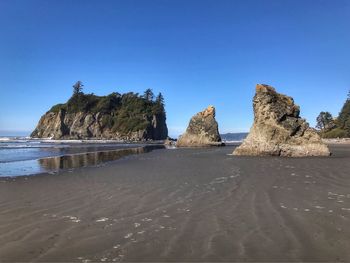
[(160, 99), (78, 87), (344, 114), (148, 95)]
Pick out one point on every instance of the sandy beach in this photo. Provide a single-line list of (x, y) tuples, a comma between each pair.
[(182, 205)]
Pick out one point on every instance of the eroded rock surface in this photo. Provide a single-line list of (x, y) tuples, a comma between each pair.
[(82, 125), (202, 130), (278, 128)]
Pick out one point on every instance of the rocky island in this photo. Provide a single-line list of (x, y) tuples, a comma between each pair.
[(115, 116), (201, 131), (278, 128)]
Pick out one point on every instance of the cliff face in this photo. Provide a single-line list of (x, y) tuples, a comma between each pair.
[(62, 125), (202, 130), (120, 117), (278, 128)]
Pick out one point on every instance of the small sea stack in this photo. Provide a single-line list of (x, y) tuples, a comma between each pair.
[(201, 131), (278, 129)]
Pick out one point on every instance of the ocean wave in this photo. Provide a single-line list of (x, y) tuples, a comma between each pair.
[(232, 141)]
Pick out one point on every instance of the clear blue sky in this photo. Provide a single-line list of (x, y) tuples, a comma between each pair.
[(195, 52)]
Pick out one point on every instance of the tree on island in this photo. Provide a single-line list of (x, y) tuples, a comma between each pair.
[(159, 104), (148, 95), (78, 87), (160, 99)]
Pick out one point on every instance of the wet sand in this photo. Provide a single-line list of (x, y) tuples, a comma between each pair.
[(182, 205)]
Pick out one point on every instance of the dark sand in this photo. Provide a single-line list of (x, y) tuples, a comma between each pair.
[(182, 205)]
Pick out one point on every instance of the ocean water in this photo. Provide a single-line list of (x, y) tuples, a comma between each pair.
[(25, 156), (233, 137)]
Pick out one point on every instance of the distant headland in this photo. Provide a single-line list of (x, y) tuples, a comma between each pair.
[(338, 127)]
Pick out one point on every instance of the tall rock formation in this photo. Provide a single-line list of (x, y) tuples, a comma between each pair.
[(201, 131), (278, 129)]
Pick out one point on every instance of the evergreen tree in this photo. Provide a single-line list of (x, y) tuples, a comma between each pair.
[(338, 128), (148, 95), (159, 104), (160, 99), (344, 114), (78, 87)]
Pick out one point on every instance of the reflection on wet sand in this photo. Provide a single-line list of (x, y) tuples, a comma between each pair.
[(91, 158)]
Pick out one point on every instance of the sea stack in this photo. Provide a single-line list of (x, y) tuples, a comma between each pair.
[(124, 117), (278, 129), (202, 130)]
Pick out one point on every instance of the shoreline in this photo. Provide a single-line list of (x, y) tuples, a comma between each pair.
[(188, 204), (70, 161)]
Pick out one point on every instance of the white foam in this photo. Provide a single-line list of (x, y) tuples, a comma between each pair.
[(103, 219), (128, 235), (319, 207)]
